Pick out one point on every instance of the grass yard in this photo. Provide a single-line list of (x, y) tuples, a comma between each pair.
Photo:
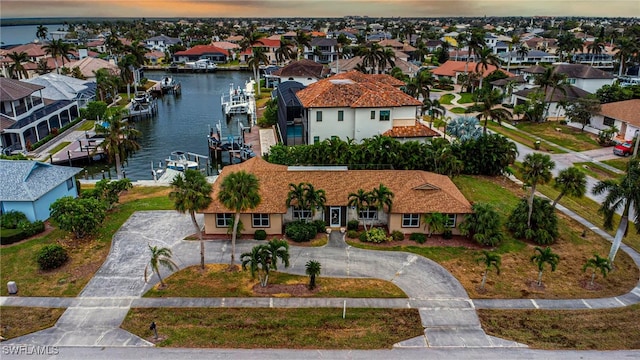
[(458, 110), (522, 138), (567, 136), (446, 99), (18, 321), (216, 281), (59, 147), (86, 125), (609, 329), (306, 328), (17, 261), (620, 164), (466, 98), (596, 171)]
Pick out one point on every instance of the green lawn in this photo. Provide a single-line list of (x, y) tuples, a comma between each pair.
[(466, 98), (458, 110), (620, 164), (562, 135), (87, 125), (596, 171), (522, 138), (59, 147), (446, 99)]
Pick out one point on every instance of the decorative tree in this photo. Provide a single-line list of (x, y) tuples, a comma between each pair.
[(312, 268), (542, 257), (597, 263), (159, 257), (489, 260)]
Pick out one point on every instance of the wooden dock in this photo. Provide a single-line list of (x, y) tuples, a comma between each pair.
[(82, 150)]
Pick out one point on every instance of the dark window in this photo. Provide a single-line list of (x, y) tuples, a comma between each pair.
[(224, 220), (260, 220), (410, 220), (301, 214), (340, 115), (373, 114), (318, 115), (316, 139), (369, 214), (69, 183), (385, 115), (451, 221), (609, 121)]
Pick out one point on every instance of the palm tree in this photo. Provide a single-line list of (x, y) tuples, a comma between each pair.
[(435, 222), (17, 69), (315, 199), (595, 48), (625, 48), (489, 260), (523, 50), (41, 32), (544, 256), (58, 48), (418, 86), (191, 193), (296, 197), (239, 191), (303, 40), (285, 52), (361, 200), (486, 57), (597, 263), (536, 169), (107, 84), (550, 79), (161, 256), (488, 100), (570, 181), (387, 59), (372, 57), (312, 268), (263, 258), (259, 56), (623, 193), (515, 41), (461, 41), (382, 197), (119, 139)]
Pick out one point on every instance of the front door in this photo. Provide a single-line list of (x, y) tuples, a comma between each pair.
[(335, 216)]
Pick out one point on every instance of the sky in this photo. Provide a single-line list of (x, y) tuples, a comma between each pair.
[(315, 8)]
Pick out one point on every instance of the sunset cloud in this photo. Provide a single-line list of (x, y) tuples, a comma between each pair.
[(315, 8)]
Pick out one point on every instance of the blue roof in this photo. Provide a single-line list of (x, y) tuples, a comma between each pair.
[(287, 92), (25, 180)]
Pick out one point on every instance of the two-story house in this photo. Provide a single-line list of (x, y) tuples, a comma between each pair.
[(355, 105), (161, 42), (304, 71), (198, 52), (581, 76), (25, 117), (322, 50)]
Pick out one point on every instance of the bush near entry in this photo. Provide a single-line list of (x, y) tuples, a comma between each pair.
[(51, 256), (300, 231)]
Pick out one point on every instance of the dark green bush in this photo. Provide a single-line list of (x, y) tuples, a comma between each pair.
[(447, 234), (363, 236), (320, 225), (300, 231), (420, 238), (11, 219), (353, 225), (375, 235), (51, 257), (30, 229), (353, 234), (10, 236), (260, 234), (397, 235), (544, 222)]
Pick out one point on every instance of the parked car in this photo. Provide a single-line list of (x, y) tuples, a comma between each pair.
[(623, 149)]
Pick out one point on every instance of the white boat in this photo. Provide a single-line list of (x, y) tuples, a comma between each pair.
[(167, 82), (178, 161), (141, 97), (239, 100), (202, 65)]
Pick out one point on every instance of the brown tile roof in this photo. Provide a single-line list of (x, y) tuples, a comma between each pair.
[(32, 49), (580, 71), (303, 68), (11, 90), (415, 191), (571, 93), (627, 111), (357, 90), (89, 65), (202, 49), (418, 130), (451, 68)]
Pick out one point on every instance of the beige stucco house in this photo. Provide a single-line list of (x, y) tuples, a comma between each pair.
[(416, 193)]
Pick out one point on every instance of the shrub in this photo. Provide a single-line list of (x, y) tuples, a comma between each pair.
[(320, 225), (300, 231), (375, 235), (397, 235), (353, 225), (420, 238), (447, 234), (11, 219), (544, 222), (483, 225), (353, 234), (562, 122), (260, 235), (30, 229), (51, 257)]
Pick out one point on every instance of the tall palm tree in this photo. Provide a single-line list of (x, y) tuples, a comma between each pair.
[(595, 48), (159, 257), (623, 193), (513, 44), (553, 80), (387, 60), (419, 85), (597, 263), (107, 84), (372, 56), (489, 260), (258, 56), (16, 69), (536, 169), (486, 57), (361, 200), (625, 48), (190, 193), (239, 191), (312, 268), (114, 46), (41, 32), (542, 257), (57, 48), (119, 139), (285, 52), (488, 101), (382, 197), (461, 41), (570, 181), (303, 40), (523, 50), (343, 41)]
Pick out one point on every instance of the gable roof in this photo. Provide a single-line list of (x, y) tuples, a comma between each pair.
[(415, 191), (89, 65), (571, 93), (451, 68), (356, 90), (417, 130), (24, 180), (61, 87), (167, 39), (11, 89), (627, 111), (202, 49), (303, 68), (580, 71)]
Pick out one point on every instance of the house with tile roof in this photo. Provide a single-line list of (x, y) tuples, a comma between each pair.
[(199, 52), (565, 94), (304, 71), (89, 65), (624, 115), (61, 87), (415, 193), (355, 105), (25, 117), (322, 50), (452, 69), (161, 42), (581, 76), (31, 187)]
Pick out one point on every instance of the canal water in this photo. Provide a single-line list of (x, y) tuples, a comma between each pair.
[(183, 121)]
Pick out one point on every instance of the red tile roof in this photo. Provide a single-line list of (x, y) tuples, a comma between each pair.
[(357, 90), (418, 130), (266, 42), (452, 68), (202, 49)]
